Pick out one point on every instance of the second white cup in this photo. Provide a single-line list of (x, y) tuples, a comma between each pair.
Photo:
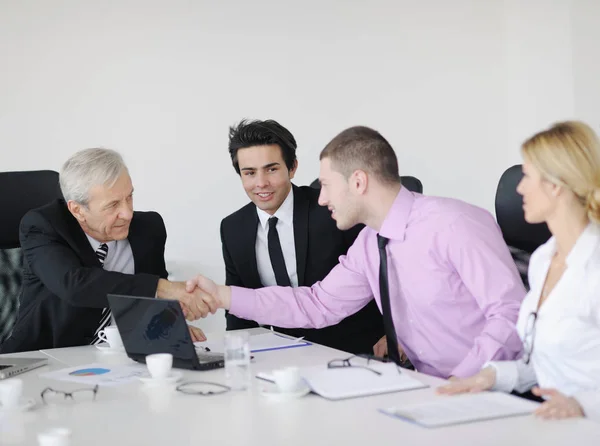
[(55, 437), (287, 379), (112, 336), (10, 393), (159, 365)]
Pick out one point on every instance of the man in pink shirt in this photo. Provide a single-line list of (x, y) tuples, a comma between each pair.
[(438, 268)]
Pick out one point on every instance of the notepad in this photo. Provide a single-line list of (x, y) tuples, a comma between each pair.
[(258, 343), (354, 382), (467, 408)]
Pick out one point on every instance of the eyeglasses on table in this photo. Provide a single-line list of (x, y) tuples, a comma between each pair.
[(202, 388), (51, 395), (357, 361)]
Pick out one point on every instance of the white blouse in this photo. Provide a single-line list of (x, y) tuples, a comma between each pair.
[(566, 335)]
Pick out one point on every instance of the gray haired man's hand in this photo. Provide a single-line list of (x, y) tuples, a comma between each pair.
[(214, 296), (192, 304)]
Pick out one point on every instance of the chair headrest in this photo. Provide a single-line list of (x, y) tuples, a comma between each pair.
[(509, 213), (413, 184), (21, 192)]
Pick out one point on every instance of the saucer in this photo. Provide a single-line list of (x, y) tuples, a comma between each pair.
[(105, 348), (277, 395), (171, 379), (24, 404)]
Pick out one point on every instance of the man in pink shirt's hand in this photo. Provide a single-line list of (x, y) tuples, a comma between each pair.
[(438, 268)]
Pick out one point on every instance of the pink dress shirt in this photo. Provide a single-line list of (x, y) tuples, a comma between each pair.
[(454, 289)]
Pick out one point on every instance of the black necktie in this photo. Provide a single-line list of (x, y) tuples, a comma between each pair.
[(276, 254), (388, 322), (101, 253)]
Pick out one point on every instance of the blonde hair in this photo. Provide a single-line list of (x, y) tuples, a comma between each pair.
[(568, 155)]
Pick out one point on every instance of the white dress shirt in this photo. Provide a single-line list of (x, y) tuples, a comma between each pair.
[(566, 342), (285, 229)]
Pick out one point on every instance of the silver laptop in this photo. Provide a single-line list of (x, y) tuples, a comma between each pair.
[(10, 367)]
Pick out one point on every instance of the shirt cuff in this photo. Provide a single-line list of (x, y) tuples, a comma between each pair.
[(507, 375), (469, 366), (243, 303), (590, 403)]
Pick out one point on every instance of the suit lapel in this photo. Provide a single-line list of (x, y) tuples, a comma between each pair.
[(300, 232), (246, 243)]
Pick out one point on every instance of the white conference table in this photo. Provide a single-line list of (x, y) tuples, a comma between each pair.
[(134, 414)]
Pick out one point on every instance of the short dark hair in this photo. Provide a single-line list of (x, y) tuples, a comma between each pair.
[(259, 133), (363, 148)]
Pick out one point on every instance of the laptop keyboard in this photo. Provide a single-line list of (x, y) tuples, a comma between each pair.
[(208, 357)]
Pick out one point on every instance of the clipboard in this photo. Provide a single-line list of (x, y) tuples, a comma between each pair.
[(258, 343)]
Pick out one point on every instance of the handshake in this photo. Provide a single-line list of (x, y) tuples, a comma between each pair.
[(198, 296)]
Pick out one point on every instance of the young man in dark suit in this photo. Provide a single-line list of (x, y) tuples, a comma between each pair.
[(78, 250), (283, 237)]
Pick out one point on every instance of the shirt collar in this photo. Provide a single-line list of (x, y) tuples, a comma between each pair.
[(96, 244), (584, 247), (285, 213), (394, 225), (581, 251)]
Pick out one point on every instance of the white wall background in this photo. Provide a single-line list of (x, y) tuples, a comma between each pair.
[(455, 86)]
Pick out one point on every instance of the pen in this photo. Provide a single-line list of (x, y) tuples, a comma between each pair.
[(286, 336), (402, 414)]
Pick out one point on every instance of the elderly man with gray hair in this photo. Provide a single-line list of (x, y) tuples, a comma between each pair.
[(79, 249)]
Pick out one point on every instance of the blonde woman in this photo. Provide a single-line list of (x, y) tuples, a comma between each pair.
[(559, 320)]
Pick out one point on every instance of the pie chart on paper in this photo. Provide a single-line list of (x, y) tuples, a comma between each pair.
[(89, 372)]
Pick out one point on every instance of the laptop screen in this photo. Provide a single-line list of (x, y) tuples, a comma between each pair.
[(149, 325)]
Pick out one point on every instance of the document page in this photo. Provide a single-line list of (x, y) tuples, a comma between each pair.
[(448, 410), (101, 374)]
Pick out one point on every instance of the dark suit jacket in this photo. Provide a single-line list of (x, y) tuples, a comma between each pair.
[(64, 285), (318, 246)]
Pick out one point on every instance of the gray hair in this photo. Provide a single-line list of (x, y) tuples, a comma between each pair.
[(89, 168)]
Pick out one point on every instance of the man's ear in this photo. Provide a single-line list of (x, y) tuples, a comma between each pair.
[(77, 210), (293, 170), (359, 181)]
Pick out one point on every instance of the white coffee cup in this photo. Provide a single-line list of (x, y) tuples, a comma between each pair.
[(112, 336), (159, 365), (10, 393), (287, 379), (55, 437)]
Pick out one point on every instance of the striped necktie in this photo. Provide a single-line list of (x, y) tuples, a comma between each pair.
[(101, 253)]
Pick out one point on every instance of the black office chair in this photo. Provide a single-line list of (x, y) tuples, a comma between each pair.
[(413, 184), (521, 237), (21, 191)]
